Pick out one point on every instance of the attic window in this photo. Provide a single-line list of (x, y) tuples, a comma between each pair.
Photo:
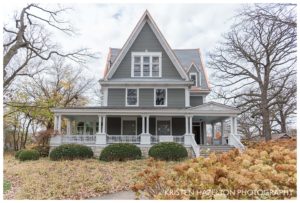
[(146, 64), (194, 78)]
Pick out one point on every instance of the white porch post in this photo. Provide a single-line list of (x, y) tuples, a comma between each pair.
[(55, 122), (104, 124), (143, 124), (147, 124), (235, 125), (191, 125), (186, 125), (231, 125), (59, 124), (212, 133), (100, 124), (68, 127), (205, 132), (222, 132)]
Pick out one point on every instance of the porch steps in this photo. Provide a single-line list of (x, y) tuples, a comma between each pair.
[(205, 150)]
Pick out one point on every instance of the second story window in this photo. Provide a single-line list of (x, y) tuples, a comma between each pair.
[(132, 97), (146, 64), (160, 97), (194, 78)]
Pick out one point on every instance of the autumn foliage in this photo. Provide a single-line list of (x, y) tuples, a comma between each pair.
[(265, 170)]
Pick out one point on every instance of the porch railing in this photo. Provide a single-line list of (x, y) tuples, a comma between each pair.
[(164, 138), (235, 140), (79, 139), (123, 139)]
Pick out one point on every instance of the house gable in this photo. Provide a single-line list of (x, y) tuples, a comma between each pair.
[(214, 107), (146, 37), (200, 75)]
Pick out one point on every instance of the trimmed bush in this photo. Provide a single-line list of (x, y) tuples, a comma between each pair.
[(43, 150), (18, 153), (71, 152), (168, 151), (120, 152), (30, 154)]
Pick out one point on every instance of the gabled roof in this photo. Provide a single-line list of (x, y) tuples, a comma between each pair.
[(146, 18), (215, 107)]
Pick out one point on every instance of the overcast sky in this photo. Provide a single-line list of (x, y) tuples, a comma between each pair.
[(101, 26)]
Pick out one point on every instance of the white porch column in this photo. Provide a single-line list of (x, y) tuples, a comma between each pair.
[(212, 133), (59, 124), (147, 124), (143, 124), (191, 125), (235, 125), (186, 125), (68, 127), (100, 124), (231, 125), (222, 132), (104, 124), (55, 123), (205, 132)]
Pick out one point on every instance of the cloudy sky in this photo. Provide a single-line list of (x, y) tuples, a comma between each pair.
[(100, 26)]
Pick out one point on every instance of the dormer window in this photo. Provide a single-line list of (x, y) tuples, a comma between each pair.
[(146, 64), (194, 78)]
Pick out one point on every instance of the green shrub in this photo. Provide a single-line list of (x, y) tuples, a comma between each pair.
[(43, 150), (168, 151), (120, 152), (18, 153), (71, 152), (30, 154)]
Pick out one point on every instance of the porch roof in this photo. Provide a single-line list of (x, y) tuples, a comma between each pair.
[(207, 109)]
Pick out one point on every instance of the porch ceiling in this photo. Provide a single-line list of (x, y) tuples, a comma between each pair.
[(210, 119)]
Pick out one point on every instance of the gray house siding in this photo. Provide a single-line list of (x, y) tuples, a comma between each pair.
[(146, 97), (114, 125), (196, 100), (146, 40), (116, 97), (176, 98)]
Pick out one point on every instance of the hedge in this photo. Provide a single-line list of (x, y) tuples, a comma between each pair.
[(168, 151), (120, 152), (30, 154), (43, 150), (71, 152)]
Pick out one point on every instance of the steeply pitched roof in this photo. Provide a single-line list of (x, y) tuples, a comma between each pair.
[(146, 19)]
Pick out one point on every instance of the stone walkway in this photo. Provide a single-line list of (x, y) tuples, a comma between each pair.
[(123, 195)]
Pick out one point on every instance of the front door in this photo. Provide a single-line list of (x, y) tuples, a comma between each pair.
[(196, 132)]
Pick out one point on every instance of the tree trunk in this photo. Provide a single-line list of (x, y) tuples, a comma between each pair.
[(282, 122)]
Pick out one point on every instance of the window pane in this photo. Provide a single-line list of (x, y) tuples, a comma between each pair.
[(155, 59), (163, 127), (155, 70), (193, 78), (146, 70), (129, 127), (146, 59), (137, 70), (137, 59), (160, 96), (131, 97)]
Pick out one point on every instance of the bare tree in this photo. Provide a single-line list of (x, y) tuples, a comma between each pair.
[(257, 58), (29, 39)]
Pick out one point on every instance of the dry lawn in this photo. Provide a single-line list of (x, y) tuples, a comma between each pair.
[(79, 179)]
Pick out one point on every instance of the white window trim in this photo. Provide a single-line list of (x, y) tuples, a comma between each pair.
[(150, 54), (196, 75), (128, 119), (166, 99), (137, 95), (163, 119)]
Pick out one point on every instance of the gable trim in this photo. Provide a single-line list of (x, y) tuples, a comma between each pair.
[(146, 18), (215, 104)]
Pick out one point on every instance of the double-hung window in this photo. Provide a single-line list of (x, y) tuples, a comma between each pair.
[(160, 97), (194, 78), (146, 64), (132, 97)]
